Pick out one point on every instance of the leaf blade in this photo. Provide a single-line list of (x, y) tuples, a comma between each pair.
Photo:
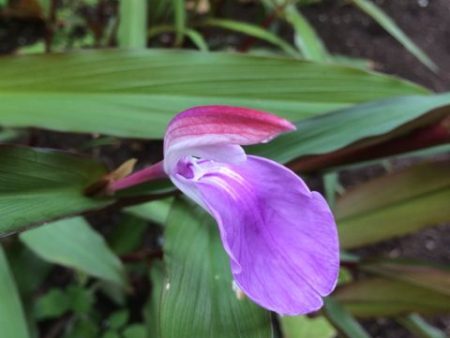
[(411, 199), (74, 244), (12, 317), (29, 176), (134, 93), (198, 289)]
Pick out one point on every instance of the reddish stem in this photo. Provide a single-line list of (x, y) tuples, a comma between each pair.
[(151, 173), (432, 135)]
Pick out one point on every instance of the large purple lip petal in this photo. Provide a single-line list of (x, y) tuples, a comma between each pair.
[(280, 236)]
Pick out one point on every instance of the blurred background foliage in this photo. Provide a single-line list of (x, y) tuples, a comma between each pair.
[(102, 78)]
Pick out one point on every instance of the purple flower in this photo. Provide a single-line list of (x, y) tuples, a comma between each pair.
[(281, 237)]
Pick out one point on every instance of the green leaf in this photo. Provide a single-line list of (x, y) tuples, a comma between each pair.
[(389, 25), (417, 273), (83, 327), (372, 122), (155, 211), (127, 235), (81, 299), (135, 93), (179, 9), (342, 320), (41, 185), (132, 31), (306, 38), (134, 331), (111, 334), (197, 39), (198, 290), (51, 305), (153, 307), (74, 244), (420, 328), (372, 297), (304, 327), (255, 31), (12, 318), (29, 270), (394, 205), (118, 319)]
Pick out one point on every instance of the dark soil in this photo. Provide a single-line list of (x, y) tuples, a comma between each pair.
[(348, 31)]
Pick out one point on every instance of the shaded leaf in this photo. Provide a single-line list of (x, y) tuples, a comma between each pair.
[(373, 297), (394, 205), (47, 184), (198, 289), (29, 270), (12, 318), (51, 305), (135, 93), (153, 307), (127, 235), (134, 331), (342, 320), (254, 31), (74, 244), (420, 328), (118, 319), (418, 273)]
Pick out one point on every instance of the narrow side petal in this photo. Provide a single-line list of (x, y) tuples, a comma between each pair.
[(281, 237), (210, 125)]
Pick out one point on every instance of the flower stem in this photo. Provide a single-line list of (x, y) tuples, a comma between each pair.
[(153, 172)]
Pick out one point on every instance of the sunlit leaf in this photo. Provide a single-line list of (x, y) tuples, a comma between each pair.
[(39, 185), (132, 31), (74, 244), (198, 288), (155, 211), (135, 93), (304, 327)]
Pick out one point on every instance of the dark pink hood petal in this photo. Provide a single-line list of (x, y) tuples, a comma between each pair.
[(210, 125)]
